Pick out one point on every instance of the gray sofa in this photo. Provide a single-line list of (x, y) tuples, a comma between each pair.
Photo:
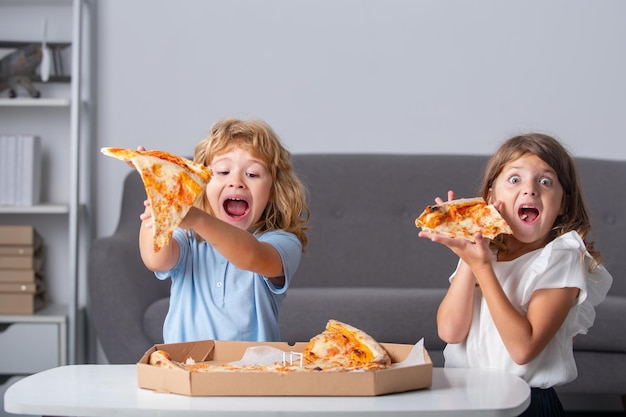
[(365, 264)]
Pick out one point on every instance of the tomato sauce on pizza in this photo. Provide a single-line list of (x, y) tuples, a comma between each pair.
[(462, 219), (172, 184)]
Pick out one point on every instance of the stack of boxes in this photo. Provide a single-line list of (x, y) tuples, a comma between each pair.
[(22, 289)]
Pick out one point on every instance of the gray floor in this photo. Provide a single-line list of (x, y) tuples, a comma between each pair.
[(583, 405)]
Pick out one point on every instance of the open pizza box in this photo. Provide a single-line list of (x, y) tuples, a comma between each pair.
[(411, 370)]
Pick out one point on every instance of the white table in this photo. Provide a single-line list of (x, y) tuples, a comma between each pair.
[(111, 390)]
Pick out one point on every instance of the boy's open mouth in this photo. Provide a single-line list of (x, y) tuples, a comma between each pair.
[(236, 207), (528, 214)]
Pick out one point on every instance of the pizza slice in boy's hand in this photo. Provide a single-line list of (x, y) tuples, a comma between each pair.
[(172, 185), (462, 219)]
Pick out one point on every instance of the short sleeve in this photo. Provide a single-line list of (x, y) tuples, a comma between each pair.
[(565, 262), (290, 250), (181, 237)]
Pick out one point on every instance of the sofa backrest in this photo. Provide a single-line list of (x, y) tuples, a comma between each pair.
[(363, 210), (603, 183)]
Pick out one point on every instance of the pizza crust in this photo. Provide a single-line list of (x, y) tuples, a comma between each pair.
[(163, 359)]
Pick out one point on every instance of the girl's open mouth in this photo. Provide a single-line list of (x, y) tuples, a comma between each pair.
[(528, 214)]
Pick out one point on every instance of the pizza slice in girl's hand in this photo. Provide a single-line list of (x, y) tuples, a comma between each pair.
[(462, 219), (172, 185)]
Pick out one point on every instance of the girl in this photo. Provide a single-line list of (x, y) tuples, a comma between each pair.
[(232, 258), (517, 303)]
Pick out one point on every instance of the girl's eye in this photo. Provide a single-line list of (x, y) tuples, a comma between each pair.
[(514, 179), (545, 181), (222, 172), (252, 175)]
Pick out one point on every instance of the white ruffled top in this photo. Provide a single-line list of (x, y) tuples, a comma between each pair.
[(564, 262)]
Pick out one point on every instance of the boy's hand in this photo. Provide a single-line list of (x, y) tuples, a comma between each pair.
[(146, 216), (140, 149)]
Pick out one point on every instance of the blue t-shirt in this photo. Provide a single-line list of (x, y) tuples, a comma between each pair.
[(212, 299)]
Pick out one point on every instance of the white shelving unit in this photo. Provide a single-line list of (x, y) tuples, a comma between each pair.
[(62, 116), (40, 102)]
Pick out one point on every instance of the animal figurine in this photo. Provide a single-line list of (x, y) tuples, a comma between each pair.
[(18, 69)]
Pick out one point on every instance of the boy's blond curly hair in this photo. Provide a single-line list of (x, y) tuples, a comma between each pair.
[(287, 207)]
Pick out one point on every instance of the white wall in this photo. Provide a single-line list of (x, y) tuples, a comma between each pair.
[(397, 76)]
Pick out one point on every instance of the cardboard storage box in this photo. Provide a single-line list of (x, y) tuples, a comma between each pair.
[(22, 297), (370, 383)]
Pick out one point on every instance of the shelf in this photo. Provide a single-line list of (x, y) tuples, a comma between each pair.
[(35, 102), (52, 313), (60, 108), (36, 209)]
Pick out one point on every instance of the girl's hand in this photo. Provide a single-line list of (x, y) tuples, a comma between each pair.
[(497, 205), (438, 200), (146, 216), (476, 255)]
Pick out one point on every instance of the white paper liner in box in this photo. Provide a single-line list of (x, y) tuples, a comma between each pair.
[(415, 357)]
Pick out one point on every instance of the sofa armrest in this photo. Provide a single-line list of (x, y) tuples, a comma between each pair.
[(120, 291)]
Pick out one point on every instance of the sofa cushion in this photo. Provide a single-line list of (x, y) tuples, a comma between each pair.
[(607, 333), (391, 315), (363, 210), (153, 319), (598, 373)]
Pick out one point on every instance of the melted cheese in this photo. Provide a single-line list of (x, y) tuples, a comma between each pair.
[(463, 218), (172, 184)]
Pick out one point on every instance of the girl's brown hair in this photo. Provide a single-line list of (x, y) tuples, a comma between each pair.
[(287, 208), (575, 215)]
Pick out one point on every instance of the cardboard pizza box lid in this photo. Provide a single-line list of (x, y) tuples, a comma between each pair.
[(398, 378)]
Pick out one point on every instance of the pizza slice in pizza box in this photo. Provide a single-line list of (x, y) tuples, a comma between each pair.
[(172, 185)]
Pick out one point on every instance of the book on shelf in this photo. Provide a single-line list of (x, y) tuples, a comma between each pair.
[(14, 235), (8, 168), (20, 169)]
